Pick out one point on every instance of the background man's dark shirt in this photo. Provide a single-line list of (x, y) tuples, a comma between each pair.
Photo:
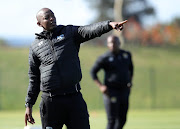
[(118, 69)]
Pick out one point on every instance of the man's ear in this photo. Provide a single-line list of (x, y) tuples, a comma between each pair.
[(39, 24)]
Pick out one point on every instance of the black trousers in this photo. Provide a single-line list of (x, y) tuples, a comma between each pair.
[(116, 106), (70, 110)]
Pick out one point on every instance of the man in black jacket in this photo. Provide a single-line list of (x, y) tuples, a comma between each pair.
[(118, 67), (54, 69)]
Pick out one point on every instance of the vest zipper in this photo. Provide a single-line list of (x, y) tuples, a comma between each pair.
[(53, 51), (52, 46)]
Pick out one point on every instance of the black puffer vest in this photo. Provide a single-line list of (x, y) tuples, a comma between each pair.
[(58, 54)]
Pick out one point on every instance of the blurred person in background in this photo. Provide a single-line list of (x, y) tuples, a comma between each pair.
[(54, 69), (118, 69)]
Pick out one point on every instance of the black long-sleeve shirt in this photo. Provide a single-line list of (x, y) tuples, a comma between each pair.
[(118, 69)]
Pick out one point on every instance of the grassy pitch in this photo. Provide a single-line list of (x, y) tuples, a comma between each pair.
[(137, 119), (155, 84)]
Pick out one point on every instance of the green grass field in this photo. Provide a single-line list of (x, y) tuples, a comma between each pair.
[(154, 100), (156, 77), (137, 119)]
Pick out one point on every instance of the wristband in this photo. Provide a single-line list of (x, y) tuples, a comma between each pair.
[(28, 105)]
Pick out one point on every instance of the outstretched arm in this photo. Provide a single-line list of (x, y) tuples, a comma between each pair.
[(85, 33)]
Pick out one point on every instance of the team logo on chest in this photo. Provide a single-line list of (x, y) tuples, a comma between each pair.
[(113, 99), (60, 37), (40, 43), (110, 59), (125, 55)]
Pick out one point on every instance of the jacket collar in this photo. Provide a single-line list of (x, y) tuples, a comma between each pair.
[(47, 34), (114, 54)]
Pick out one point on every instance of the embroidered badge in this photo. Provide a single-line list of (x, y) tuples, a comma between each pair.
[(40, 43), (113, 99), (60, 37), (125, 55), (111, 59)]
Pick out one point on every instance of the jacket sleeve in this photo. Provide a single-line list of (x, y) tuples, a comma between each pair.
[(34, 78), (95, 69), (131, 66), (85, 33)]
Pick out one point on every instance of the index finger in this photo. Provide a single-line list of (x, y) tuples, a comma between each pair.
[(123, 22), (26, 120)]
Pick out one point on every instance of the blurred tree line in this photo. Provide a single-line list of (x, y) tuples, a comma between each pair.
[(137, 9), (3, 43), (137, 12)]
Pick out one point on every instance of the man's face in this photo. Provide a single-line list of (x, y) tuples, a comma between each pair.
[(113, 44), (46, 19)]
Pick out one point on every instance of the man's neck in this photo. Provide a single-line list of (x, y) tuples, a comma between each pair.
[(116, 52)]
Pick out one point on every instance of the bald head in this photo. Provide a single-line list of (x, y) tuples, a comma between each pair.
[(113, 43), (46, 19), (41, 12), (113, 39)]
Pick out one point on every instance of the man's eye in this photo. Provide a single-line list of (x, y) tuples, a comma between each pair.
[(46, 18)]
